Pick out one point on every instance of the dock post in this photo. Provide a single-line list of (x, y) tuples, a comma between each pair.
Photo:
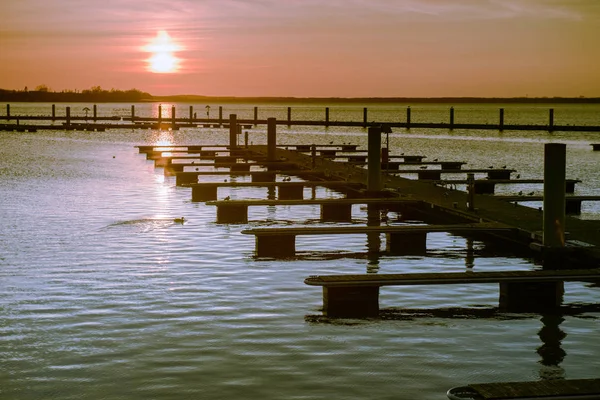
[(68, 116), (159, 114), (501, 123), (551, 120), (374, 159), (451, 117), (132, 113), (365, 117), (271, 138), (220, 115), (326, 116), (554, 198), (408, 117), (255, 115), (313, 155), (233, 130), (246, 139), (53, 112), (8, 111), (173, 116), (470, 191), (289, 116), (191, 114)]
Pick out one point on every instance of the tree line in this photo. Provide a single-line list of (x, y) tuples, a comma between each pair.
[(95, 94)]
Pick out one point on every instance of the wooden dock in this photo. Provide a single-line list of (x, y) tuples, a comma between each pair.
[(572, 203), (288, 190), (175, 122), (332, 210), (520, 291), (401, 239), (556, 389)]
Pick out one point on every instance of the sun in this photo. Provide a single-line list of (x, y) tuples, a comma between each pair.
[(163, 50)]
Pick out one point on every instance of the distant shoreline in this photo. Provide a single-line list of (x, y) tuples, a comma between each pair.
[(134, 96)]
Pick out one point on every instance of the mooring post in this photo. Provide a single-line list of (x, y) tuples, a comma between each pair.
[(408, 117), (554, 194), (246, 139), (471, 191), (95, 112), (374, 159), (326, 116), (451, 117), (271, 139), (233, 130), (551, 120), (313, 155), (173, 116), (53, 112), (289, 116), (501, 123), (8, 110), (220, 115), (255, 116), (132, 113), (159, 114), (68, 116), (191, 114), (365, 117)]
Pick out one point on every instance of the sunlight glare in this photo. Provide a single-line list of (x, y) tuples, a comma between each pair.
[(163, 59)]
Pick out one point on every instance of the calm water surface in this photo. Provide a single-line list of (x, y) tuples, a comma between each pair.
[(104, 296)]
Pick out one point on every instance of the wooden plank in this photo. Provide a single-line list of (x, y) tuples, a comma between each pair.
[(291, 172), (299, 202), (513, 181), (451, 171), (276, 184), (341, 230), (541, 198), (450, 278), (539, 389)]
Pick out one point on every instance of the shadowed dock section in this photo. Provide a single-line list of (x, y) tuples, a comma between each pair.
[(357, 296), (558, 389), (207, 191)]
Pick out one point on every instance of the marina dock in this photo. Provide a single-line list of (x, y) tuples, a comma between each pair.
[(96, 122)]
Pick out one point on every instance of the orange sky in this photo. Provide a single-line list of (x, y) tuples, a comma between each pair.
[(303, 48)]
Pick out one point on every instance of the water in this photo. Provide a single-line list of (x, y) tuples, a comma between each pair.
[(106, 296)]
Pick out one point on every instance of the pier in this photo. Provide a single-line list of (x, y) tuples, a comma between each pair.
[(567, 247), (174, 122)]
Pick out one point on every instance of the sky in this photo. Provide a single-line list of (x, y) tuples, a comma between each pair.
[(305, 48)]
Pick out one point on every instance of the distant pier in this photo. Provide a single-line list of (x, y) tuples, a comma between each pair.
[(95, 122)]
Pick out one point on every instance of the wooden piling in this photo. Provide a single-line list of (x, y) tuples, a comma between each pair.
[(68, 116), (271, 139), (451, 117), (159, 114), (374, 159), (471, 191), (554, 194), (8, 110), (289, 115), (220, 114), (53, 112), (408, 117), (173, 115), (365, 117), (501, 122), (132, 113), (255, 116), (233, 130), (551, 120), (191, 114), (326, 116)]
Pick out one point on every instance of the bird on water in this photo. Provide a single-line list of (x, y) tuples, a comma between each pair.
[(179, 220)]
